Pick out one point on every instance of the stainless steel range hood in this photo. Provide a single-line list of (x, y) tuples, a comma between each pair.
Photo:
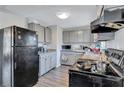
[(112, 20)]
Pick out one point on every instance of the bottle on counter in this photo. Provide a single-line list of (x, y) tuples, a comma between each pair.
[(45, 48)]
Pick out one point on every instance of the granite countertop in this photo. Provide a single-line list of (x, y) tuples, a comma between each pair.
[(70, 50), (51, 50)]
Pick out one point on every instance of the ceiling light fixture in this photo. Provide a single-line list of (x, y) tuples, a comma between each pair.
[(62, 15)]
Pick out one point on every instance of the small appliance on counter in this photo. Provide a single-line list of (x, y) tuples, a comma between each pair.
[(66, 47), (43, 48)]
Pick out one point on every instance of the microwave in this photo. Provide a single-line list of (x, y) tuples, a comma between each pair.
[(66, 46)]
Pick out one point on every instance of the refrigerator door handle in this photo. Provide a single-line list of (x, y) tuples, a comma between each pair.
[(15, 65)]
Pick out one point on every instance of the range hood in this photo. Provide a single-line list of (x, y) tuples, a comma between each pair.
[(111, 21)]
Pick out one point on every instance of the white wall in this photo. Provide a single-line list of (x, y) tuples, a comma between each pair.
[(7, 19), (59, 43), (53, 44), (56, 41), (118, 42)]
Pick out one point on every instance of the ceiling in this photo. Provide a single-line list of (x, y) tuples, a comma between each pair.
[(80, 15)]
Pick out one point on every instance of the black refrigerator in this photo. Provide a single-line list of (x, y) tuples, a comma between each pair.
[(18, 57)]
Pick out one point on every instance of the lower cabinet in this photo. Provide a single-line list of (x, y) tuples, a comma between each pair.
[(47, 62), (42, 65), (69, 58), (53, 61)]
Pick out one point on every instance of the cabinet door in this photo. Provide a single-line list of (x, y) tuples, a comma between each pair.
[(71, 59), (48, 35), (39, 30), (42, 65), (66, 36), (40, 33), (64, 58), (72, 36), (47, 63), (92, 38), (77, 56), (80, 36), (53, 60), (76, 36), (86, 36)]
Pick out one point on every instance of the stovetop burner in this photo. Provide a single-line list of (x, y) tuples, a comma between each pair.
[(102, 68)]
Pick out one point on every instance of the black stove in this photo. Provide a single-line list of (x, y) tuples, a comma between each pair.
[(87, 74)]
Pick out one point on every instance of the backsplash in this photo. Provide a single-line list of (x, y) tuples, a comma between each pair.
[(79, 46)]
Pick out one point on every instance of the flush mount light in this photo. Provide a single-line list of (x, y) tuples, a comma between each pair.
[(62, 15)]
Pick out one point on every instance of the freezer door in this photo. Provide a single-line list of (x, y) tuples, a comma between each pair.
[(24, 37), (26, 66)]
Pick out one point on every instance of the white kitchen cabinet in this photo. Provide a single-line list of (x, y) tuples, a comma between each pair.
[(48, 35), (73, 36), (66, 36), (80, 35), (69, 58), (86, 36), (76, 36), (42, 65), (40, 34), (53, 60), (39, 30), (47, 61), (94, 37)]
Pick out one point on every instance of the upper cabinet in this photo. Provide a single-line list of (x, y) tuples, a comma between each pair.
[(87, 36), (66, 36), (44, 33), (39, 30), (48, 35), (76, 36), (80, 36)]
